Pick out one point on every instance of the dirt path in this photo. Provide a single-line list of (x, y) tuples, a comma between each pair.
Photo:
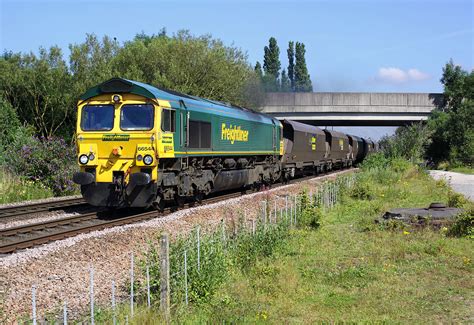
[(461, 183)]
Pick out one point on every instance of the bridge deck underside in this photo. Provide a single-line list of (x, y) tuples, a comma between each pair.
[(354, 119)]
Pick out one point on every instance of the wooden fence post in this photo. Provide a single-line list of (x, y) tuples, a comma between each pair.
[(165, 277)]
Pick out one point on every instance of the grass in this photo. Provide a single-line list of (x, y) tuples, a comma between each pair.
[(354, 271), (463, 170), (351, 269), (15, 189)]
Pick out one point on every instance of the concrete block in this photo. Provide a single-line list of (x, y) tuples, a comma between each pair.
[(315, 99), (351, 99), (392, 99), (280, 99)]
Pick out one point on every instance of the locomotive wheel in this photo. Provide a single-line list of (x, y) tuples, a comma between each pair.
[(159, 204), (199, 197), (180, 201)]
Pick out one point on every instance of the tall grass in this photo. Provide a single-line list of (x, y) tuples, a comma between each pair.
[(15, 189), (221, 252)]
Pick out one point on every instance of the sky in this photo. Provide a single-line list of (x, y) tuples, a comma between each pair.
[(353, 46)]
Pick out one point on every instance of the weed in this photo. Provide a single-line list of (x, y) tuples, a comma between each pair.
[(456, 200), (15, 188), (362, 190), (310, 214)]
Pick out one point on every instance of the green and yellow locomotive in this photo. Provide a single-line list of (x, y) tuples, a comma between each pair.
[(140, 145)]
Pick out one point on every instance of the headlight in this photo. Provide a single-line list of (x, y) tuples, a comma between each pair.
[(139, 157), (147, 160), (83, 159), (91, 157)]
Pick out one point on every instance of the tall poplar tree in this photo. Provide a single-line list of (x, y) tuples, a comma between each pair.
[(271, 65), (258, 70), (291, 64), (285, 85), (302, 77)]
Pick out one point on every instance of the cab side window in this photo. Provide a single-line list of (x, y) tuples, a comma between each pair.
[(168, 120)]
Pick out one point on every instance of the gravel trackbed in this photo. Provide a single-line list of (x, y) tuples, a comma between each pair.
[(60, 270)]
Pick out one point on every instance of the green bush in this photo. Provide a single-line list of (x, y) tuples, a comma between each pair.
[(201, 283), (375, 160), (400, 165), (362, 190), (49, 161), (463, 226), (455, 200), (9, 123), (310, 214)]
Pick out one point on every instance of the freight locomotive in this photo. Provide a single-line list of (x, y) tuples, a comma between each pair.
[(140, 145)]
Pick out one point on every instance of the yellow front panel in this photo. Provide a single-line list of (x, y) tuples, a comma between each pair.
[(117, 149)]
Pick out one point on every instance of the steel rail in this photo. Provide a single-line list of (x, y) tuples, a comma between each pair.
[(7, 232), (26, 209), (45, 231)]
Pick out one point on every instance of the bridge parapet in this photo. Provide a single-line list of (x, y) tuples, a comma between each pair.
[(353, 108)]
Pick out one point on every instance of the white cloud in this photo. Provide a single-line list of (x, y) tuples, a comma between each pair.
[(415, 74), (398, 75), (392, 74)]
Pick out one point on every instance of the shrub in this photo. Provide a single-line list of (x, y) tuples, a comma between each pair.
[(455, 200), (375, 160), (310, 215), (46, 160), (362, 190), (201, 283), (400, 165), (463, 226), (9, 123)]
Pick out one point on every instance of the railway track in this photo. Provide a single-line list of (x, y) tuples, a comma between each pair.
[(27, 236), (27, 209)]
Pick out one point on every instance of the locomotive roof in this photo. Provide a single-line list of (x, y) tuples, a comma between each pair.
[(120, 85)]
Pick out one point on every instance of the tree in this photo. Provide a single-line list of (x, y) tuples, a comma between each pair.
[(453, 124), (39, 89), (408, 142), (9, 123), (302, 78), (285, 85), (196, 65), (271, 65), (453, 80), (91, 62), (258, 70), (291, 63)]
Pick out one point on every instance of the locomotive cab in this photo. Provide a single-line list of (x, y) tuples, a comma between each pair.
[(120, 138)]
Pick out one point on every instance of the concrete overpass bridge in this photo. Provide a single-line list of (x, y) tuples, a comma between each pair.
[(352, 109)]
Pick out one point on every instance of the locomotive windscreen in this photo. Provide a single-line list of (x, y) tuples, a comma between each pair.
[(97, 118), (137, 117)]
